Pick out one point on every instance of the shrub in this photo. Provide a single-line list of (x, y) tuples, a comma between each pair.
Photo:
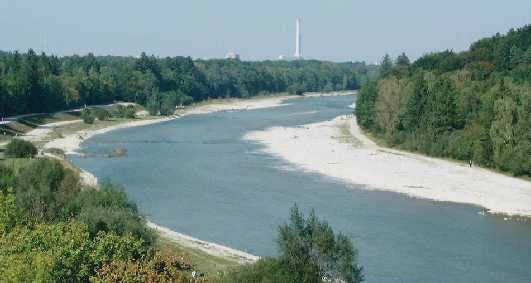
[(153, 107), (109, 209), (62, 252), (109, 246), (309, 252), (44, 187), (102, 114), (126, 112), (149, 269), (9, 215), (87, 117), (7, 177), (295, 89), (169, 101), (45, 253), (18, 148)]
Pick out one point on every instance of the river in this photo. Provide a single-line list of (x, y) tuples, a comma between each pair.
[(196, 175)]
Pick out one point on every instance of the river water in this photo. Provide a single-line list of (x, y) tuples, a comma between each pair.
[(196, 175)]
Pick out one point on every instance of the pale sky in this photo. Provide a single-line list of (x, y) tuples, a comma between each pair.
[(338, 30)]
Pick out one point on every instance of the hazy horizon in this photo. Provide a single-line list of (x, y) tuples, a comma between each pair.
[(337, 31)]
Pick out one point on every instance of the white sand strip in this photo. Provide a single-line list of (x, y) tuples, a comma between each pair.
[(339, 149), (206, 247), (238, 104)]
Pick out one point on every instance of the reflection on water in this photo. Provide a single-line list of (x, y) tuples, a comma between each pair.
[(197, 176)]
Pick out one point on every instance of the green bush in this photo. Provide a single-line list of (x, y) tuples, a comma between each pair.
[(126, 112), (87, 117), (109, 209), (7, 177), (62, 252), (153, 269), (102, 114), (18, 148), (44, 187), (309, 252), (169, 101), (295, 89)]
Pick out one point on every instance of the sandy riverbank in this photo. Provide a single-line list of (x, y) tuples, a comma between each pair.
[(207, 247), (339, 149), (70, 143)]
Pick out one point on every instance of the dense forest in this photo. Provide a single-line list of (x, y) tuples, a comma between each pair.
[(33, 83), (473, 106)]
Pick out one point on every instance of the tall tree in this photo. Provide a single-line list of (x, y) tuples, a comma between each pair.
[(386, 66)]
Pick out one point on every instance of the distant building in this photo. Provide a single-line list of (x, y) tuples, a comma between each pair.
[(232, 56), (298, 44)]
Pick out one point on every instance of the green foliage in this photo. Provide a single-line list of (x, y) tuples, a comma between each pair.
[(62, 252), (153, 269), (33, 84), (7, 177), (9, 215), (109, 246), (365, 106), (87, 116), (473, 105), (18, 148), (43, 189), (297, 89), (45, 253), (108, 209), (309, 252), (402, 60), (126, 112), (164, 103), (386, 66), (102, 114), (52, 231)]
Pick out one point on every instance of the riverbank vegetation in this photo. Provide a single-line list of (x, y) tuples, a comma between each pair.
[(473, 106), (52, 229), (18, 148), (310, 252), (33, 83)]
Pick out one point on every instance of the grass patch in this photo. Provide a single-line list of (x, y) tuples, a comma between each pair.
[(346, 136), (205, 263)]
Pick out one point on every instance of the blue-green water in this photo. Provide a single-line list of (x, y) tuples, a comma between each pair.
[(197, 176)]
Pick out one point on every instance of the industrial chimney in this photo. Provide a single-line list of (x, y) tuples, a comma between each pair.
[(298, 51)]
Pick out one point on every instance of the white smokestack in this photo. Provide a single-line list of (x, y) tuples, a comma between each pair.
[(298, 52)]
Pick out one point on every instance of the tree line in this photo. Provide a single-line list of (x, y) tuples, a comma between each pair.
[(37, 83), (473, 105)]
